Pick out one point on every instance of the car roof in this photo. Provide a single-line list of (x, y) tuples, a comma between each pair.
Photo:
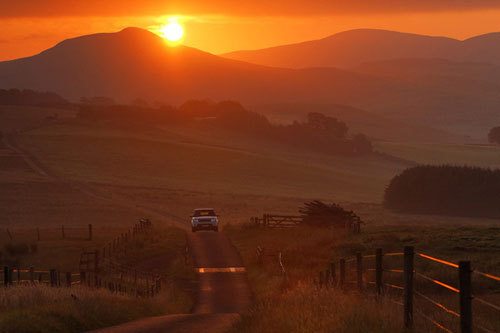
[(204, 209)]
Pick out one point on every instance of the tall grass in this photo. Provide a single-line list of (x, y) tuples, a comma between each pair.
[(46, 309)]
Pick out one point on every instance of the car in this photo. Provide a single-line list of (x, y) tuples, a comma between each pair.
[(204, 219)]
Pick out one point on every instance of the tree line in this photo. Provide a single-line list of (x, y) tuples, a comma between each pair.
[(30, 97), (445, 190), (318, 132)]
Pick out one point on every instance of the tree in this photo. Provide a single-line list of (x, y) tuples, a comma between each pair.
[(494, 135), (319, 214), (362, 144)]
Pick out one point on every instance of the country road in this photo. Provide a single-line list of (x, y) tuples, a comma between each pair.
[(223, 291)]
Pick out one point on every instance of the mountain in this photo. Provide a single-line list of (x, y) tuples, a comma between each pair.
[(352, 48), (135, 63)]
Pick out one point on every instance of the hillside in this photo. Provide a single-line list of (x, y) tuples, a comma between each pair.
[(351, 48), (375, 126), (136, 63)]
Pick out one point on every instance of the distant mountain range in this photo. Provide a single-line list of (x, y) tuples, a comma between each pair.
[(352, 48), (135, 63)]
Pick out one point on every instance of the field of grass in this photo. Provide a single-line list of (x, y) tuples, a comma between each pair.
[(179, 161), (307, 251), (433, 153), (45, 309)]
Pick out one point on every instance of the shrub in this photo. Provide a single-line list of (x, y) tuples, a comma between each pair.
[(446, 190), (317, 213), (494, 135)]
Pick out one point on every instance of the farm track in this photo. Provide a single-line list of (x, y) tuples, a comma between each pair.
[(221, 296)]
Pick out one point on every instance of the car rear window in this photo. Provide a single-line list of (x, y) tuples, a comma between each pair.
[(208, 212)]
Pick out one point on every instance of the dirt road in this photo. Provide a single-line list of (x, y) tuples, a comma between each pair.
[(223, 291)]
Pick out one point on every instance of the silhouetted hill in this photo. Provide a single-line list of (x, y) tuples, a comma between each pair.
[(351, 48), (135, 63)]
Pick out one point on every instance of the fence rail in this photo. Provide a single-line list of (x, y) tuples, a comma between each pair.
[(38, 234), (407, 291), (287, 221), (98, 269)]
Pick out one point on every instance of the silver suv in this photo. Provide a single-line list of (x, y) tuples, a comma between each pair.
[(204, 218)]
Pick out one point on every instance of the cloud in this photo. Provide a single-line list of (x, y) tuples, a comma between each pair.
[(78, 8)]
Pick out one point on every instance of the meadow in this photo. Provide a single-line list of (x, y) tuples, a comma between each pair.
[(298, 305)]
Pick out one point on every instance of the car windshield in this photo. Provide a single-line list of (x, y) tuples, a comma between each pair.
[(204, 212)]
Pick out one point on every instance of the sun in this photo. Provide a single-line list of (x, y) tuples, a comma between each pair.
[(172, 31)]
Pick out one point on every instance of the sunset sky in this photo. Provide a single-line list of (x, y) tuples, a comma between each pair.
[(30, 26)]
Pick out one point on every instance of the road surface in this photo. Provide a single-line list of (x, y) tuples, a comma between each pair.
[(223, 291)]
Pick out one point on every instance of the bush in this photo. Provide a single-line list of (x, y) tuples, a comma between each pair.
[(17, 249), (494, 135), (317, 213), (446, 190)]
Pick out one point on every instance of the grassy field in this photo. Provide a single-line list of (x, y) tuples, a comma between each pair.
[(45, 309), (183, 161), (307, 251), (430, 153)]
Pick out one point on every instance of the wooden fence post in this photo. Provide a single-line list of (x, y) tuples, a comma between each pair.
[(11, 280), (53, 278), (68, 279), (96, 267), (18, 276), (6, 275), (90, 232), (342, 273), (408, 286), (32, 275), (359, 270), (464, 277), (333, 274), (82, 278), (378, 270)]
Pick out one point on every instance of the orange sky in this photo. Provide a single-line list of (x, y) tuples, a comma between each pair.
[(30, 26)]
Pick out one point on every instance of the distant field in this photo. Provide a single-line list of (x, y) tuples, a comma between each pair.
[(176, 161), (429, 153)]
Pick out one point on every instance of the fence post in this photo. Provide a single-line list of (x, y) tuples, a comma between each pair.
[(359, 270), (464, 277), (18, 276), (82, 278), (96, 267), (68, 279), (62, 231), (408, 286), (378, 270), (52, 277), (342, 273), (333, 273), (32, 275), (90, 232), (6, 275)]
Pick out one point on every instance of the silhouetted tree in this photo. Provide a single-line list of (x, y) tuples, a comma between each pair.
[(362, 144), (30, 97), (317, 213), (447, 190), (494, 135)]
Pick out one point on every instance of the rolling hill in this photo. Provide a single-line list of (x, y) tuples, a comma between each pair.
[(351, 48), (136, 63)]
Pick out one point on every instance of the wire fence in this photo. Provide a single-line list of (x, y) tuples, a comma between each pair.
[(411, 288)]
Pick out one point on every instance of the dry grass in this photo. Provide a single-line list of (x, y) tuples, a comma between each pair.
[(45, 309), (307, 251)]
